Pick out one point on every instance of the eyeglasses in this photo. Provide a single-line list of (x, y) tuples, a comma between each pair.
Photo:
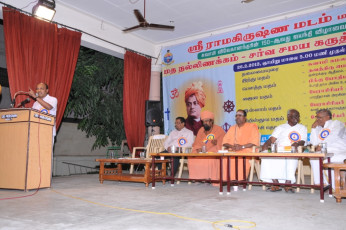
[(239, 115), (319, 117)]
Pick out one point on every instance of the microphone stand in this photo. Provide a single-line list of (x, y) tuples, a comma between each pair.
[(13, 103)]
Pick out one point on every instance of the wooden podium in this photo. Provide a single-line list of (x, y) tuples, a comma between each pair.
[(25, 149)]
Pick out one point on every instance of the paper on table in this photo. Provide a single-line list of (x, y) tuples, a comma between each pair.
[(222, 151)]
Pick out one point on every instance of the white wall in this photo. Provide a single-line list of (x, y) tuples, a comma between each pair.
[(71, 141), (106, 31), (72, 146), (76, 19)]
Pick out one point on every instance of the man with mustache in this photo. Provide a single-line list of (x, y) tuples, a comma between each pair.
[(283, 170), (44, 102), (240, 138), (195, 101), (180, 137), (331, 132), (210, 136)]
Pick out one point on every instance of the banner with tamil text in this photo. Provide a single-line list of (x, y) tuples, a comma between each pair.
[(268, 69)]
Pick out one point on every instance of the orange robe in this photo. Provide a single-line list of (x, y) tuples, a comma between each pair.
[(206, 168), (248, 133)]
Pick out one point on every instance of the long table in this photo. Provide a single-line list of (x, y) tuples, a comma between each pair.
[(201, 155), (237, 155)]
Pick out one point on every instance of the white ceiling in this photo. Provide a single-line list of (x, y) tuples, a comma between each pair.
[(190, 17)]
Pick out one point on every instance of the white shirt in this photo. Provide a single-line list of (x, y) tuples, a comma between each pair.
[(182, 138), (333, 133), (286, 134), (283, 169), (53, 102)]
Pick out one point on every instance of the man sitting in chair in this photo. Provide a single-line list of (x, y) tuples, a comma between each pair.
[(241, 137), (283, 170), (209, 139), (180, 137), (331, 132)]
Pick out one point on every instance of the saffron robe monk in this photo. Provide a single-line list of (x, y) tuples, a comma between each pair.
[(211, 137), (240, 138)]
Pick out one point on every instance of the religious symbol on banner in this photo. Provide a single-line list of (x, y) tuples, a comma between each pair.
[(175, 93), (228, 106), (226, 127), (219, 87), (167, 112)]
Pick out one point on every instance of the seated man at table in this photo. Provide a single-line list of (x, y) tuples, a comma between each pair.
[(284, 170), (180, 137), (210, 136), (331, 132), (240, 138)]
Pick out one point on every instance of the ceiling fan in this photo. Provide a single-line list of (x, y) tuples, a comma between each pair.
[(144, 24)]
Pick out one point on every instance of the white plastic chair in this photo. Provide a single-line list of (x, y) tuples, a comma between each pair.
[(155, 145)]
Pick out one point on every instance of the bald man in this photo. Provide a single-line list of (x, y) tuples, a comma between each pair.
[(283, 170), (43, 102)]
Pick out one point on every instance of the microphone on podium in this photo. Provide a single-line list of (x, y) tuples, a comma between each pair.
[(26, 101), (13, 103)]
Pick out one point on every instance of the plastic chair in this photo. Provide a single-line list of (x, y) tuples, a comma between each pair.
[(122, 151), (155, 145), (301, 175), (255, 165), (182, 162)]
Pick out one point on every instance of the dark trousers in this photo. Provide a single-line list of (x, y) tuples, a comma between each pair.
[(176, 163)]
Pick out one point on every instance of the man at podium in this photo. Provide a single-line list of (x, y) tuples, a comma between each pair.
[(44, 102)]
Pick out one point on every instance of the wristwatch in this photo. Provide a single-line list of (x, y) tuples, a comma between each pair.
[(243, 147)]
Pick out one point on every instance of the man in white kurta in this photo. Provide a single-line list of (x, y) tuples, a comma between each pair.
[(331, 132), (180, 137), (289, 134), (43, 102)]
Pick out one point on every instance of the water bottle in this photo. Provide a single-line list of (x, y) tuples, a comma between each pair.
[(323, 147), (204, 149), (273, 148), (142, 155), (173, 149), (293, 149)]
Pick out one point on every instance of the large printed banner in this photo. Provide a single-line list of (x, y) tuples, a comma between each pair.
[(295, 63)]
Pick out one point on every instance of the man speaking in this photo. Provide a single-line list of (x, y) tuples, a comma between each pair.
[(43, 102)]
